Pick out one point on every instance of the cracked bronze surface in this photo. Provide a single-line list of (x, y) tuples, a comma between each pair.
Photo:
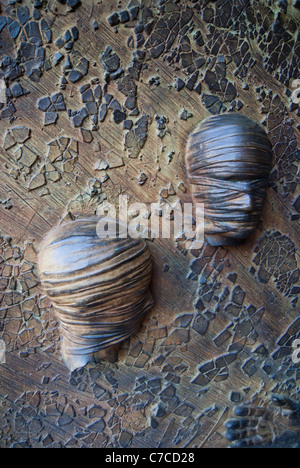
[(99, 100)]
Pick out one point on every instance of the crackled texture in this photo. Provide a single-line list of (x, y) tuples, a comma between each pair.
[(98, 99)]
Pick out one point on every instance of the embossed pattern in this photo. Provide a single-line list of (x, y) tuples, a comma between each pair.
[(98, 99)]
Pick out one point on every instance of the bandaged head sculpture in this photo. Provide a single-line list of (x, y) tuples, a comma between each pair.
[(228, 161), (98, 286)]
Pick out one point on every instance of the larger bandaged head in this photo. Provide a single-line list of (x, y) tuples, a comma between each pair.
[(99, 287), (228, 160)]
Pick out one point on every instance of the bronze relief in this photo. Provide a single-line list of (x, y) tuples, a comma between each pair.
[(97, 100), (99, 287), (228, 160)]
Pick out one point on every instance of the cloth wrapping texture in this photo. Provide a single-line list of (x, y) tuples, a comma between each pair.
[(229, 159), (99, 287)]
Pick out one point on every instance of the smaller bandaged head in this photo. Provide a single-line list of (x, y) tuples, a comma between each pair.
[(229, 159)]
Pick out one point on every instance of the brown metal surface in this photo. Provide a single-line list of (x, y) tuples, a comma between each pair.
[(98, 100)]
